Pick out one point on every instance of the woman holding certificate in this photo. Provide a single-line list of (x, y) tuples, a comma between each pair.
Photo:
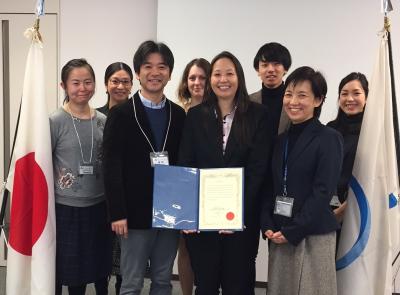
[(227, 131), (297, 218)]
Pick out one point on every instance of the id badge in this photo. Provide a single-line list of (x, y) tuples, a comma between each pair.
[(335, 201), (86, 169), (283, 206), (159, 158)]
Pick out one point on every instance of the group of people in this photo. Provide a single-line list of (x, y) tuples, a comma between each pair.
[(296, 173)]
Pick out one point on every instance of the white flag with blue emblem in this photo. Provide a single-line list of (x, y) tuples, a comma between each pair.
[(370, 227)]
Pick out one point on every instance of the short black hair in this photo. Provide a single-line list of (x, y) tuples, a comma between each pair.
[(318, 83), (148, 47), (273, 52)]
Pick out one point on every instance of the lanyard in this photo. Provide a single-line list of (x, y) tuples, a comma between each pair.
[(144, 134), (79, 140), (285, 169)]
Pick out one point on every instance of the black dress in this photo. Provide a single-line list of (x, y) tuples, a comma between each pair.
[(349, 127)]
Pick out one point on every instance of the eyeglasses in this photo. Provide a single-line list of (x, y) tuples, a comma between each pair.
[(116, 82)]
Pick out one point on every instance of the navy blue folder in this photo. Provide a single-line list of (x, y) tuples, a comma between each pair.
[(175, 197), (176, 200)]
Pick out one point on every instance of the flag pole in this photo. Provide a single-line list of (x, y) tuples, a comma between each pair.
[(3, 190), (394, 101)]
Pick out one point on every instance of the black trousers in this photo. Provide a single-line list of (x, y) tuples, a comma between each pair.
[(225, 261), (101, 287)]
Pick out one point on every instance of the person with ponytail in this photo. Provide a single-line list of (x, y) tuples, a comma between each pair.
[(83, 243), (118, 82), (353, 93)]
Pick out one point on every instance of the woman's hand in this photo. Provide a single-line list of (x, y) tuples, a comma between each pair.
[(276, 237), (190, 231), (225, 232), (339, 212), (120, 227)]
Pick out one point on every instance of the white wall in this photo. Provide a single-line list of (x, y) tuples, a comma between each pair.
[(336, 37), (104, 32)]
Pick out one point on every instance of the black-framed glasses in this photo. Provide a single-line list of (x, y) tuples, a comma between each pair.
[(116, 82)]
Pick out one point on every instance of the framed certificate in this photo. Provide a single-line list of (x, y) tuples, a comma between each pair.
[(198, 199)]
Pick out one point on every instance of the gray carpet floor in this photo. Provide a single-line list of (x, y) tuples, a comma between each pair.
[(90, 289)]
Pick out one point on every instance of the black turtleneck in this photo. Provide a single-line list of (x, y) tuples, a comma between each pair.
[(272, 98), (295, 131), (349, 127)]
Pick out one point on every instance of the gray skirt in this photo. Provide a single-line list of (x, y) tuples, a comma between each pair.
[(305, 269)]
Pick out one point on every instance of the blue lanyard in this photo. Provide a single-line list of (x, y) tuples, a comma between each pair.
[(285, 170)]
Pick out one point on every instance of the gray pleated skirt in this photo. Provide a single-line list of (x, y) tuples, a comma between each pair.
[(305, 269)]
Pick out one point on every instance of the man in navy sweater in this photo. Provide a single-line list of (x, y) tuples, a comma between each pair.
[(138, 133)]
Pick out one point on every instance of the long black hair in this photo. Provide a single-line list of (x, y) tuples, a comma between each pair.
[(241, 99), (341, 121), (350, 124)]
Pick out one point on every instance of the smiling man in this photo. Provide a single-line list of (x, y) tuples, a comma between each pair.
[(138, 133), (272, 62)]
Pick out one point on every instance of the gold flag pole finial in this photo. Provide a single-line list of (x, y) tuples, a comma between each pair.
[(386, 24), (36, 32)]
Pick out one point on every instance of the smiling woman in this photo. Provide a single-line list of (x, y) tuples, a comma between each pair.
[(353, 92), (118, 82), (81, 216), (227, 130), (194, 83), (224, 83), (297, 217), (299, 102)]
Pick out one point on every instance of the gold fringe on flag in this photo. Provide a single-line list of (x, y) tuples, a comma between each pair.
[(33, 32)]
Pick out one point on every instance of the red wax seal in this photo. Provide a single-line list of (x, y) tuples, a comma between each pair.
[(230, 215)]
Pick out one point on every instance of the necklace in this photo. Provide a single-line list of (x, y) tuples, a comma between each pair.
[(77, 134)]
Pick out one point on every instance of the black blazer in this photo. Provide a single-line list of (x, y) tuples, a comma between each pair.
[(128, 175), (313, 171), (201, 147)]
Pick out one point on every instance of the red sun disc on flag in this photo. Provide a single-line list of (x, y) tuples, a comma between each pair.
[(230, 215), (29, 205)]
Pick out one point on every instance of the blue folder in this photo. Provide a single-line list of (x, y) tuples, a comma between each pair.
[(175, 197)]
